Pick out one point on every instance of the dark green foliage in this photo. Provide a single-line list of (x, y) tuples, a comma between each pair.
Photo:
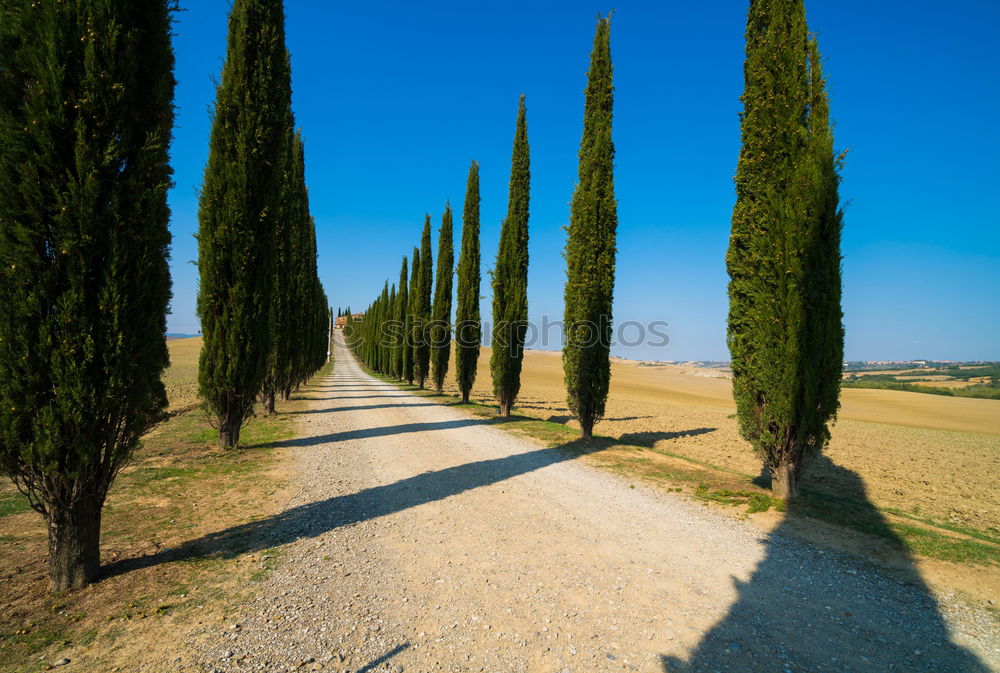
[(283, 340), (785, 331), (422, 308), (510, 277), (86, 90), (398, 326), (440, 327), (590, 247), (389, 351), (240, 201), (468, 331), (411, 308)]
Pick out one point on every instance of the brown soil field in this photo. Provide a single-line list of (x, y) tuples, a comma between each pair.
[(927, 455), (181, 378)]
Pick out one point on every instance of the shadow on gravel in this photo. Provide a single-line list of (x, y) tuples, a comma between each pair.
[(365, 433), (355, 397), (373, 665), (363, 408), (316, 518), (808, 610)]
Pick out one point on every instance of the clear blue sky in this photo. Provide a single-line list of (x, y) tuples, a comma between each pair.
[(396, 98)]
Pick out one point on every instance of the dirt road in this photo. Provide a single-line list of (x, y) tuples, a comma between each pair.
[(423, 540)]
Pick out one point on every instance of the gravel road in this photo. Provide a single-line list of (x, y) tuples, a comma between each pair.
[(422, 539)]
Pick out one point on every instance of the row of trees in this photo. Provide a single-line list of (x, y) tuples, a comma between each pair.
[(264, 314), (86, 119), (403, 330), (785, 329)]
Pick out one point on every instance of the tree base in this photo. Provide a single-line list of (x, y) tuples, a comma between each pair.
[(229, 434), (74, 545), (784, 481)]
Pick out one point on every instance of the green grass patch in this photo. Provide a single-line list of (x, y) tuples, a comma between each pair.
[(13, 503), (870, 520)]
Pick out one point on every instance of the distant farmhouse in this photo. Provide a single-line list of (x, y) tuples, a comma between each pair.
[(342, 320)]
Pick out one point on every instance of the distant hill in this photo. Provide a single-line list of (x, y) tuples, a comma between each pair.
[(180, 335)]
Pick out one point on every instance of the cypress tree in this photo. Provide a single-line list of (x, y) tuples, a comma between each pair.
[(440, 329), (785, 333), (282, 340), (399, 326), (297, 278), (411, 312), (468, 331), (590, 247), (86, 114), (388, 334), (378, 336), (510, 277), (422, 306), (239, 203)]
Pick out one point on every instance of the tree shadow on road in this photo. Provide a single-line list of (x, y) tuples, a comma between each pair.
[(365, 433), (804, 609), (364, 408), (315, 518), (355, 397)]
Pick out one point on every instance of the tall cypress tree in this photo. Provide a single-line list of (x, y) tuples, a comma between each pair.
[(590, 247), (240, 200), (298, 278), (422, 306), (440, 329), (510, 277), (785, 333), (468, 331), (86, 91), (389, 333), (411, 311), (399, 324), (284, 328), (378, 349)]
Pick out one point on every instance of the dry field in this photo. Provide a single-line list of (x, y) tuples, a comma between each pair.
[(927, 455)]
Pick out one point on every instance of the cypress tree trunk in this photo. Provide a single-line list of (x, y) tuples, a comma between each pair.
[(785, 332), (408, 332), (74, 542), (590, 248), (86, 113), (440, 332), (468, 332), (510, 277), (422, 312), (240, 197)]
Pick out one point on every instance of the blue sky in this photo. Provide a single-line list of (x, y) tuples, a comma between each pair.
[(396, 98)]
